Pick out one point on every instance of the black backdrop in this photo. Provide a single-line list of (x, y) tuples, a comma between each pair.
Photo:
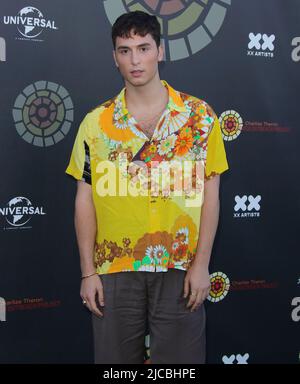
[(51, 76)]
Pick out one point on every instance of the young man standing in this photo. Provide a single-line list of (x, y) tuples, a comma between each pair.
[(144, 256)]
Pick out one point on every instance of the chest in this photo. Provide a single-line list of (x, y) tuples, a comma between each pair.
[(148, 122)]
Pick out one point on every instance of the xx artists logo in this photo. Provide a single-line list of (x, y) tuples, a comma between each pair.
[(240, 359), (247, 210), (187, 26), (259, 44)]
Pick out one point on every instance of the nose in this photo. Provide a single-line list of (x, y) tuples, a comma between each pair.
[(135, 58)]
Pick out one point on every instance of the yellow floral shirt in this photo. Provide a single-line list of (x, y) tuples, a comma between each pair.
[(145, 223)]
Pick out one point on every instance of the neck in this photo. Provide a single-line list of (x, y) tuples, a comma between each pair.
[(145, 96)]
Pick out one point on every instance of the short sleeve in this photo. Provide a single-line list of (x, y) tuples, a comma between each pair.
[(80, 164), (216, 161)]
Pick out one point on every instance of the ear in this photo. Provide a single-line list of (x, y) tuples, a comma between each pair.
[(115, 59), (160, 52)]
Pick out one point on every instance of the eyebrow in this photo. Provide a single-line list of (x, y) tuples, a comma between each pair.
[(139, 46)]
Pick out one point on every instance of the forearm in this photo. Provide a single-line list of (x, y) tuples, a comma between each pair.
[(208, 227), (86, 228)]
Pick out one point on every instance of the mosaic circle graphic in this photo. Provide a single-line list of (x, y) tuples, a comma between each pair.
[(231, 125), (187, 26), (43, 113), (219, 287)]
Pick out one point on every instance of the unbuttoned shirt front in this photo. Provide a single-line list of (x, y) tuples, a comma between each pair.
[(142, 223)]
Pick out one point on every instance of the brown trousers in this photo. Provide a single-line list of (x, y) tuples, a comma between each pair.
[(136, 302)]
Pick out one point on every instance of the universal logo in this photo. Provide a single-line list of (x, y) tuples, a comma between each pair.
[(19, 211), (247, 206), (261, 45), (2, 49), (296, 50), (2, 309), (240, 359), (30, 23)]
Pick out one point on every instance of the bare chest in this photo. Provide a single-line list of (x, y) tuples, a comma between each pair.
[(148, 122)]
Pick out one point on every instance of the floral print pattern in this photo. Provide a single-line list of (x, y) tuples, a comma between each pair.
[(157, 232)]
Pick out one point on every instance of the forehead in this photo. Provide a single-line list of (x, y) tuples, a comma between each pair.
[(134, 40)]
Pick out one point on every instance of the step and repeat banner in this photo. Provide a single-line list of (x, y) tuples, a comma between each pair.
[(56, 64)]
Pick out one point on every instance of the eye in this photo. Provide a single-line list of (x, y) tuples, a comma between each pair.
[(123, 51), (144, 49)]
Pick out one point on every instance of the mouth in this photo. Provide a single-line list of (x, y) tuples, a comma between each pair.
[(136, 72)]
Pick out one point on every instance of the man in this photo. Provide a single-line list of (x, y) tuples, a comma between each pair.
[(144, 257)]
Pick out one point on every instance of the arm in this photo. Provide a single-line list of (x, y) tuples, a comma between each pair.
[(86, 228), (198, 274), (209, 221)]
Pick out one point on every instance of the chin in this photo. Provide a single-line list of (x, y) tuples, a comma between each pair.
[(139, 82)]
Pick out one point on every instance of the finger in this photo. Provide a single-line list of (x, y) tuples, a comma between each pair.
[(100, 292), (186, 287), (195, 305), (94, 307), (197, 301), (100, 296), (192, 298), (96, 311), (206, 294), (203, 296), (191, 301), (87, 305), (84, 301)]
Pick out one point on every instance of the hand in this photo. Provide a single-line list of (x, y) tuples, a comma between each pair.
[(90, 287), (197, 281)]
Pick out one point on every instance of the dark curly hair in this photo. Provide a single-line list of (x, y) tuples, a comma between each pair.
[(138, 22)]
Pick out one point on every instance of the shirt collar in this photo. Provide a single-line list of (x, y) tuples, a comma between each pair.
[(175, 102)]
